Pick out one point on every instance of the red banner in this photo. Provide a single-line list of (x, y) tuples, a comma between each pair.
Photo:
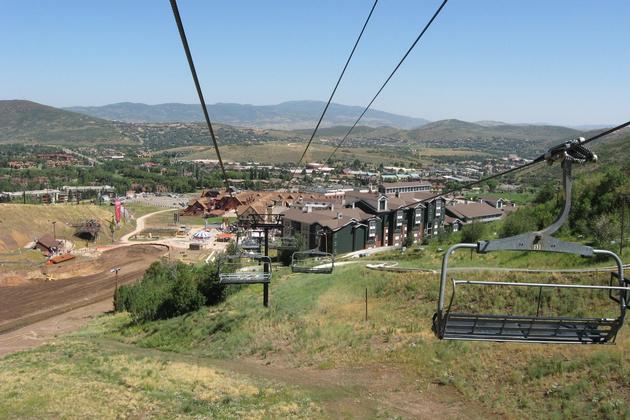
[(117, 210)]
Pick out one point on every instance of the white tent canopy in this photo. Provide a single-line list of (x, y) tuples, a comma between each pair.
[(202, 234)]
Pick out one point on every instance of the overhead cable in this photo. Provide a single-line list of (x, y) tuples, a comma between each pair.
[(426, 27), (337, 84), (202, 101), (539, 159)]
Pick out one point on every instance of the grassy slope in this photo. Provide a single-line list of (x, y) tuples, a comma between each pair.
[(30, 122), (279, 152), (80, 379), (318, 321)]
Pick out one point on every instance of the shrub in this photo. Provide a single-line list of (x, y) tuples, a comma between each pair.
[(169, 289), (122, 298), (473, 232), (518, 222), (209, 286)]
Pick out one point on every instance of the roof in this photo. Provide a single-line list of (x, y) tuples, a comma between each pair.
[(393, 202), (425, 196), (405, 184), (48, 241), (327, 218), (473, 210), (448, 220)]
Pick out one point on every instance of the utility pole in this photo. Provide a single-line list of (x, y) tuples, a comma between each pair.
[(115, 270), (623, 223), (54, 231)]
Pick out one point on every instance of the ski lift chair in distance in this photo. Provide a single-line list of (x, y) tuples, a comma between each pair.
[(232, 270), (285, 243), (468, 325), (312, 261)]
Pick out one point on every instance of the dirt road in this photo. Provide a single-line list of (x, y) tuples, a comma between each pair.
[(29, 303), (140, 222), (41, 332)]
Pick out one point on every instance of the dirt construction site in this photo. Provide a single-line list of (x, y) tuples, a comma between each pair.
[(75, 284)]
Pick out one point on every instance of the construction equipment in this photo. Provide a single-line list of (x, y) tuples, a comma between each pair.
[(451, 324)]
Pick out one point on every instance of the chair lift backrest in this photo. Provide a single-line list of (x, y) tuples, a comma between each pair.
[(309, 255)]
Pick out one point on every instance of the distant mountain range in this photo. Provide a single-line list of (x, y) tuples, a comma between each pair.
[(285, 116), (24, 121)]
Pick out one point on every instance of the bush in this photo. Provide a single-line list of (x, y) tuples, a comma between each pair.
[(518, 222), (122, 298), (473, 232), (169, 289), (209, 286)]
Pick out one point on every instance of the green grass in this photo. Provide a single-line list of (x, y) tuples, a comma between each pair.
[(318, 322)]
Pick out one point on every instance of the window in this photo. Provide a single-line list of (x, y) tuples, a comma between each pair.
[(372, 228), (399, 218), (382, 204), (418, 217)]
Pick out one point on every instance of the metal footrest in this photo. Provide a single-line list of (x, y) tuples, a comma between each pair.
[(244, 278), (462, 326)]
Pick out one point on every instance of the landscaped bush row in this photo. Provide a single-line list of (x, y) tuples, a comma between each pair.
[(170, 289)]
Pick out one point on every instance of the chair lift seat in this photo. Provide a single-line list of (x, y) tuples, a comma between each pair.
[(247, 277), (465, 326), (453, 325), (244, 278), (324, 267)]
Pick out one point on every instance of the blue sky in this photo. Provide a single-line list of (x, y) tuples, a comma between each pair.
[(559, 61)]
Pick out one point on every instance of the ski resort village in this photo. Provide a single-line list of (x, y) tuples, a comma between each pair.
[(315, 210)]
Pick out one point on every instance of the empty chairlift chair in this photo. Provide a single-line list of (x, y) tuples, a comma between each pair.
[(503, 325), (312, 261), (245, 269), (285, 243)]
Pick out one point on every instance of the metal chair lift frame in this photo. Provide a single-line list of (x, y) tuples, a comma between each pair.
[(451, 325), (309, 255), (284, 243), (247, 277)]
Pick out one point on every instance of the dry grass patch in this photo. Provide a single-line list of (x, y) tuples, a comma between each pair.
[(81, 379)]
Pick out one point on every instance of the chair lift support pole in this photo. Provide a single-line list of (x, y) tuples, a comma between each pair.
[(266, 269)]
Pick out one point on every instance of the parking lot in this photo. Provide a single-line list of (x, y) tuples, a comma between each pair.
[(163, 200)]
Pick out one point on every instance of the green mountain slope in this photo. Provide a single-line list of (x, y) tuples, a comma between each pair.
[(29, 122)]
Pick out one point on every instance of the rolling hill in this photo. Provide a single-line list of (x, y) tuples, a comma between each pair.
[(286, 115), (29, 122)]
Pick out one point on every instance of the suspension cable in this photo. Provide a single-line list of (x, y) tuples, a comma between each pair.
[(426, 27), (202, 101), (539, 159), (337, 84)]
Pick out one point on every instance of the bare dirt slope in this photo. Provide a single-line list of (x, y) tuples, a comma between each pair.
[(28, 303)]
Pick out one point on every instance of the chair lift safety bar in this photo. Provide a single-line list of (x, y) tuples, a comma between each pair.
[(451, 325), (231, 273)]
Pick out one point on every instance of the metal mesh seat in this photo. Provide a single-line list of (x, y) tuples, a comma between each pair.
[(231, 271), (536, 328)]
